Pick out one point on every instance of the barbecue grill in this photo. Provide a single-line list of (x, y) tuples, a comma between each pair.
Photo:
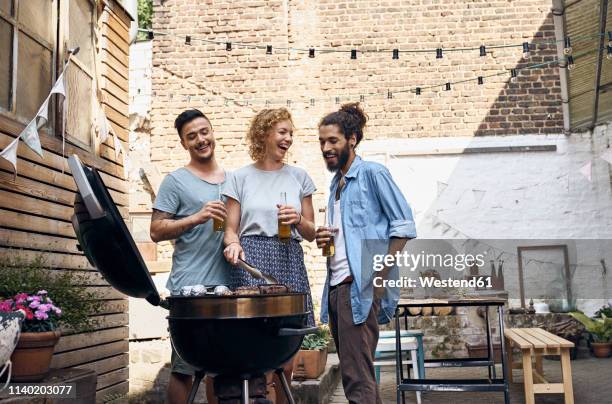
[(236, 337)]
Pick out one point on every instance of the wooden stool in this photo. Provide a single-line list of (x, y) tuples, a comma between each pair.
[(533, 343)]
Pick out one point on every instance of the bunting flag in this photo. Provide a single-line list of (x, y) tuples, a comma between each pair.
[(30, 136), (478, 195), (10, 153), (587, 170), (441, 187)]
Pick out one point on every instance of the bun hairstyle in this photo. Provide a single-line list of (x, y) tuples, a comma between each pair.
[(350, 119)]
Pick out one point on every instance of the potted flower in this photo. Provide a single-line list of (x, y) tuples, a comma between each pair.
[(39, 334), (601, 331), (52, 302), (310, 361)]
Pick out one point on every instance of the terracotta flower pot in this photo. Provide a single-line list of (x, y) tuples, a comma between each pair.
[(32, 356), (601, 349), (309, 364)]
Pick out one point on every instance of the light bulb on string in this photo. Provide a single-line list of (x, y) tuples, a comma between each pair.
[(188, 40), (353, 54), (513, 75), (439, 53), (268, 49), (395, 54), (483, 50), (610, 38), (311, 53), (389, 94), (570, 63), (337, 100), (362, 98), (418, 91), (228, 46), (447, 86), (568, 46), (480, 80), (526, 50), (312, 102), (150, 35), (609, 54)]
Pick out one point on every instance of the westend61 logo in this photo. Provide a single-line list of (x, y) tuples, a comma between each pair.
[(404, 259)]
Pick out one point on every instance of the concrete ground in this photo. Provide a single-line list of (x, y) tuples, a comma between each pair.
[(592, 379)]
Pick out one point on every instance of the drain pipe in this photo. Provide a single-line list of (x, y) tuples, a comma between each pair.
[(558, 11)]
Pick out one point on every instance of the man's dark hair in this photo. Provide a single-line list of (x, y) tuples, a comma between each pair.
[(350, 119), (187, 116)]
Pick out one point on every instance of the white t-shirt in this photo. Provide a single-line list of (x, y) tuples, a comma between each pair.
[(338, 263)]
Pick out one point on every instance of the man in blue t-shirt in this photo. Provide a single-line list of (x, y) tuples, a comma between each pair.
[(187, 202)]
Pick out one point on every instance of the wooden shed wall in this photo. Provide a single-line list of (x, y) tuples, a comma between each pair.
[(35, 211)]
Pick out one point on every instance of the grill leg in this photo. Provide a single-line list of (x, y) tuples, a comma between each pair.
[(194, 388), (285, 383), (245, 391)]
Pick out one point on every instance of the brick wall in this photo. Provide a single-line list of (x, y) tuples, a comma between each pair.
[(200, 75)]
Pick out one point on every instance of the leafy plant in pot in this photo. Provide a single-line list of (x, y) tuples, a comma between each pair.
[(52, 301), (310, 361), (601, 331)]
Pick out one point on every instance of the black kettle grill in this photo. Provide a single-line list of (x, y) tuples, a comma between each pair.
[(236, 337)]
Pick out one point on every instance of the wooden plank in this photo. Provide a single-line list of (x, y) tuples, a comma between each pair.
[(40, 173), (537, 343), (115, 116), (563, 343), (114, 57), (25, 221), (121, 132), (541, 338), (23, 203), (120, 42), (113, 314), (566, 370), (118, 105), (113, 377), (22, 239), (52, 259), (517, 339), (120, 389), (548, 388), (112, 75), (159, 266), (107, 364), (83, 340), (538, 377), (76, 357), (37, 189), (528, 378), (116, 24), (114, 89)]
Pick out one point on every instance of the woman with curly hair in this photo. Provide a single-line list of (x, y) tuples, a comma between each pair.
[(255, 209)]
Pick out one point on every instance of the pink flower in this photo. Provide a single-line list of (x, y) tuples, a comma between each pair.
[(41, 315), (41, 292), (21, 298), (6, 305), (58, 311), (34, 304), (44, 308)]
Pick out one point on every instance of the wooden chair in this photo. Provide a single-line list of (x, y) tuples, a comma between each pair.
[(533, 343)]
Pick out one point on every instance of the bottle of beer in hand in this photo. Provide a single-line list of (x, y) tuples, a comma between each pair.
[(329, 248)]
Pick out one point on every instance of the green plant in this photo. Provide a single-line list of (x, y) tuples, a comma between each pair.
[(317, 341), (605, 310), (77, 303), (145, 13), (599, 328)]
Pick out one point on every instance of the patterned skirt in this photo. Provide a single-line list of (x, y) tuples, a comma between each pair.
[(284, 261)]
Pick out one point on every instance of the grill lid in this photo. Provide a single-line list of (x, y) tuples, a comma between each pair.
[(104, 237)]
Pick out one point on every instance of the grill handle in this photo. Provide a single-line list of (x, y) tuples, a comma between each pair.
[(292, 332)]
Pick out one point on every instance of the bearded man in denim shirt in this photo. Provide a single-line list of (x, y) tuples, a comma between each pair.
[(371, 217)]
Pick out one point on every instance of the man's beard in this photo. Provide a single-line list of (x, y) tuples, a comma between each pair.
[(343, 158)]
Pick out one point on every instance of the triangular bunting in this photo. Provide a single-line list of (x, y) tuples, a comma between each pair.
[(43, 111), (478, 195), (586, 170), (118, 147), (31, 138), (441, 187), (60, 86), (103, 125), (10, 153)]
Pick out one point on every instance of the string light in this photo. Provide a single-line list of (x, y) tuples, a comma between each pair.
[(395, 54), (150, 35), (447, 87), (483, 50), (610, 38), (353, 53), (268, 49), (362, 98), (568, 46), (311, 52), (337, 100), (228, 46), (526, 50), (439, 53), (418, 91), (188, 40), (513, 74), (609, 55), (312, 102), (389, 94), (570, 62), (480, 80), (288, 103)]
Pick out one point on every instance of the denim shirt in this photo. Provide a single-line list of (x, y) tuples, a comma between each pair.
[(372, 208)]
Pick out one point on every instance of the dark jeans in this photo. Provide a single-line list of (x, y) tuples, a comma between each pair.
[(356, 345)]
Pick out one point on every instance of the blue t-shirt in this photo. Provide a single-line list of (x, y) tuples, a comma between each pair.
[(198, 253)]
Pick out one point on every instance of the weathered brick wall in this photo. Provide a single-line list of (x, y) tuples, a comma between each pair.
[(200, 75)]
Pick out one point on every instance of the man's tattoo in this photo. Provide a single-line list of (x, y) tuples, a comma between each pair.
[(168, 228)]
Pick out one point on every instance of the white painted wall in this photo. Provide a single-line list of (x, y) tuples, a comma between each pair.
[(512, 195)]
